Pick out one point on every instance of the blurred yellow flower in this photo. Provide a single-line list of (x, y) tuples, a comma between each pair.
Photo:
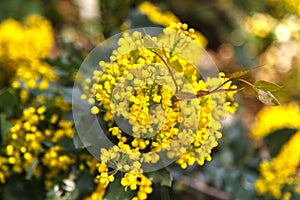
[(156, 15), (270, 119), (22, 48), (282, 170), (166, 19)]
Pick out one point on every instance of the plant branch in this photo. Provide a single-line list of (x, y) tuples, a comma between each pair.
[(204, 188), (170, 72), (247, 82)]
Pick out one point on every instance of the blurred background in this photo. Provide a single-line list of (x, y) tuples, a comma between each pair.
[(259, 154)]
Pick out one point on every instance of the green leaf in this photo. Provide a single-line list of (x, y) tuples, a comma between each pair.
[(266, 97), (12, 6), (17, 187), (238, 74), (31, 168), (67, 93), (277, 139), (9, 104), (176, 65), (242, 72), (4, 127), (85, 185), (67, 144), (77, 141), (162, 177), (267, 86), (116, 191)]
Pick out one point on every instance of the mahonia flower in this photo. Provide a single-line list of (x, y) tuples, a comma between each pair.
[(57, 160), (135, 180), (166, 19), (87, 161), (105, 177), (270, 119), (98, 193), (279, 172), (158, 103), (24, 143), (4, 169), (22, 49), (154, 13)]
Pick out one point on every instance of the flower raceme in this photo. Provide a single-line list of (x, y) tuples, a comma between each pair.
[(152, 84), (271, 119), (166, 18), (41, 121), (155, 15), (24, 143), (164, 92), (22, 48), (282, 171)]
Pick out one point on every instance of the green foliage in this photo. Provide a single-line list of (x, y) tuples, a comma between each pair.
[(116, 191), (9, 103), (11, 8), (161, 177), (4, 127), (267, 86), (276, 140)]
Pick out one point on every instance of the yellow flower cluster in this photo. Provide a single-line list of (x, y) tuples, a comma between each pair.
[(105, 177), (87, 161), (22, 48), (98, 194), (151, 82), (39, 130), (57, 160), (165, 19), (213, 108), (270, 119), (134, 180), (282, 171), (156, 15), (25, 138)]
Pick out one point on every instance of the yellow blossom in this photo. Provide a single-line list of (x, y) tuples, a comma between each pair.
[(22, 47), (270, 119), (278, 172)]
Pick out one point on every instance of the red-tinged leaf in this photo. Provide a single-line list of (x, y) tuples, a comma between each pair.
[(202, 93)]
